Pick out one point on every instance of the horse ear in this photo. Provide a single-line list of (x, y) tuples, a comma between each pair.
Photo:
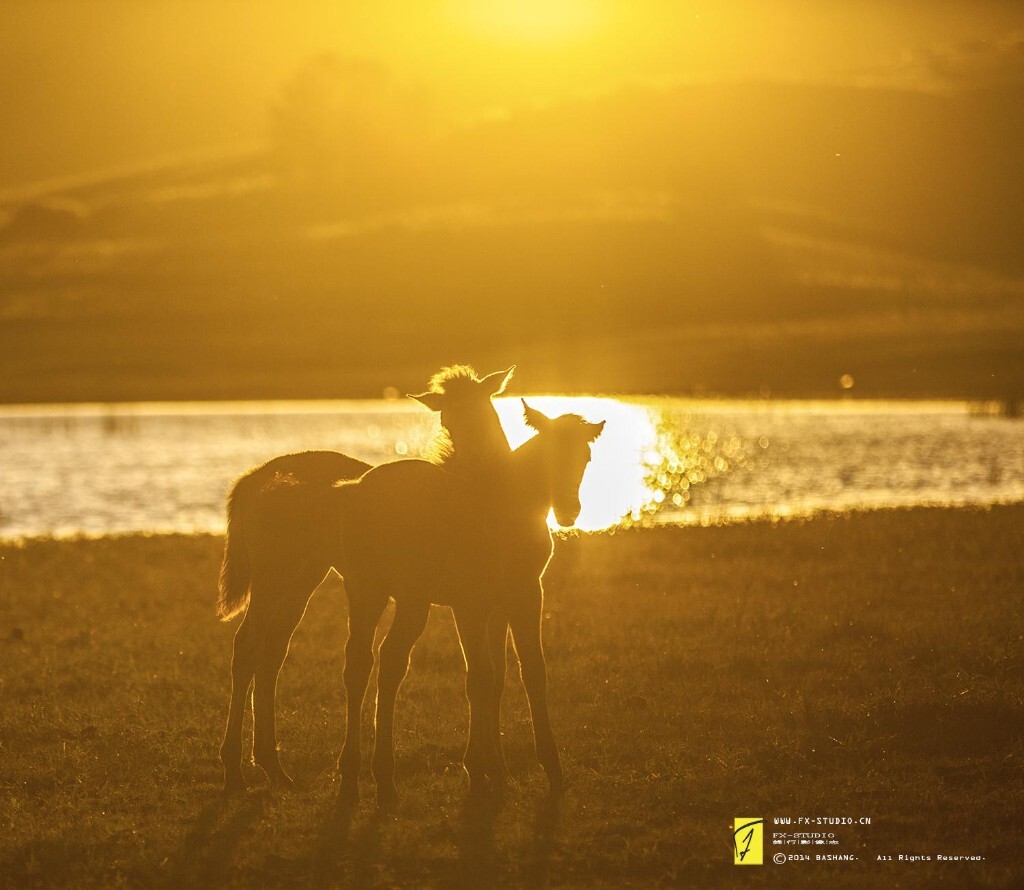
[(594, 430), (534, 419), (503, 376), (433, 400)]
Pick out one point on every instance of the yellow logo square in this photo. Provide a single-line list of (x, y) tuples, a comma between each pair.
[(748, 841)]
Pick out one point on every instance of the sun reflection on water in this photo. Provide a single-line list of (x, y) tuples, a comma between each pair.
[(666, 461), (616, 485), (650, 464), (686, 457), (659, 461)]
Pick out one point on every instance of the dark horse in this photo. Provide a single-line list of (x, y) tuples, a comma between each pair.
[(279, 549), (418, 534)]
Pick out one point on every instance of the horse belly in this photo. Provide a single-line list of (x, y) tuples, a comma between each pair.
[(391, 549)]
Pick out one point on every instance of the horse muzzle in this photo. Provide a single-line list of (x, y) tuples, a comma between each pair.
[(567, 516)]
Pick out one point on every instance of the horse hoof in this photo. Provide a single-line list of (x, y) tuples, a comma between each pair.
[(387, 796), (387, 799), (280, 780), (234, 783), (498, 787), (480, 791), (349, 792), (557, 784)]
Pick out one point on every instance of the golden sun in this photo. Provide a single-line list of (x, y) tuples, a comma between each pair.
[(531, 21)]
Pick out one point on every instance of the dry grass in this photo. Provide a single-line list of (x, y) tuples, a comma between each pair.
[(868, 665)]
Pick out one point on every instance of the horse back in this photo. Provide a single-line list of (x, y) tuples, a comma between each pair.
[(400, 500), (311, 467), (412, 526), (401, 524), (290, 520)]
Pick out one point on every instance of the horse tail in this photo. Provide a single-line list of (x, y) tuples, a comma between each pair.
[(236, 569)]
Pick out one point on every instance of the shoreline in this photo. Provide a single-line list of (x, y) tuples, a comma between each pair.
[(753, 519), (974, 405)]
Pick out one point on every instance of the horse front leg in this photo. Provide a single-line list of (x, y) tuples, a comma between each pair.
[(472, 627), (526, 634), (497, 632), (409, 622), (364, 612)]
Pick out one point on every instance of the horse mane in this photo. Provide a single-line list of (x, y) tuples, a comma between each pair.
[(565, 420), (451, 380), (440, 450)]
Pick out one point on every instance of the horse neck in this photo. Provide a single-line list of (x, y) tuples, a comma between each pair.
[(485, 450), (528, 486)]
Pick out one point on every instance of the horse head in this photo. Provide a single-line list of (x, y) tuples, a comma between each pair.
[(565, 442), (463, 401)]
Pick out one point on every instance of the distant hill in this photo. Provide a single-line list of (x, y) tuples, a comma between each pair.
[(714, 239)]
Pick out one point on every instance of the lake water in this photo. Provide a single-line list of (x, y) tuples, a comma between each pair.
[(98, 469)]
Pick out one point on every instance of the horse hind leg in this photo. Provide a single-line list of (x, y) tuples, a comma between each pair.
[(242, 670), (409, 622), (282, 605), (479, 690), (363, 615), (273, 651)]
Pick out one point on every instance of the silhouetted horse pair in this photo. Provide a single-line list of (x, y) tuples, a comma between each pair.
[(469, 531)]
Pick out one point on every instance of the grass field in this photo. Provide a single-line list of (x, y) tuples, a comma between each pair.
[(864, 666)]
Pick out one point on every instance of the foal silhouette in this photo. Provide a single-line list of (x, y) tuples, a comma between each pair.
[(418, 534), (475, 539), (279, 548)]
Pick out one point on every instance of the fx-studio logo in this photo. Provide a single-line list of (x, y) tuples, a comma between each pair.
[(748, 841)]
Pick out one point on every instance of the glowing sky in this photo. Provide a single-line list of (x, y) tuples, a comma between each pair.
[(85, 86)]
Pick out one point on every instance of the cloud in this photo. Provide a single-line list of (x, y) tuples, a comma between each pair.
[(349, 120), (964, 66), (980, 64)]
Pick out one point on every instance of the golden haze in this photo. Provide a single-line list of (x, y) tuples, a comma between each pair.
[(205, 201)]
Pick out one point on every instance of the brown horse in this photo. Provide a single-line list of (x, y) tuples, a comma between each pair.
[(279, 549), (418, 534)]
